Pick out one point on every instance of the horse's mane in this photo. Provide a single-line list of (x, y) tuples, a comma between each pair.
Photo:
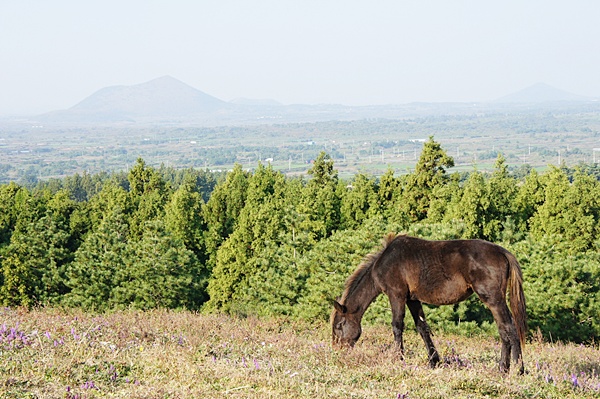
[(365, 266)]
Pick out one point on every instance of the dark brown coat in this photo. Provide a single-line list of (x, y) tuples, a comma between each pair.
[(411, 271)]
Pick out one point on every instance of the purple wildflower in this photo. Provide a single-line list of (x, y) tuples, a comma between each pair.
[(575, 381), (88, 385)]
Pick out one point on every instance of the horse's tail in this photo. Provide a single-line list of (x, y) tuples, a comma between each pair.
[(517, 297)]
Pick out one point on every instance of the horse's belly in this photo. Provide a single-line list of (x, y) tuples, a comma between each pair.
[(448, 293)]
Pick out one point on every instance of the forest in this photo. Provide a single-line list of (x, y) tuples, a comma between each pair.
[(262, 243)]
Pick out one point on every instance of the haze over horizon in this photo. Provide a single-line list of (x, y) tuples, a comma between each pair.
[(55, 54)]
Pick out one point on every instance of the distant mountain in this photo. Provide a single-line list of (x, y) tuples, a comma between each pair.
[(168, 101), (158, 99), (541, 93)]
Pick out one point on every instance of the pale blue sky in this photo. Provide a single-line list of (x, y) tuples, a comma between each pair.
[(55, 53)]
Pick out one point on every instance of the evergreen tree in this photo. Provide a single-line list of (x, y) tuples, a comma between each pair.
[(112, 196), (148, 192), (430, 172), (570, 212), (329, 264), (321, 198), (359, 201), (530, 195), (98, 262), (183, 218), (444, 199), (33, 268), (159, 272), (501, 191), (223, 209), (259, 223), (8, 210), (473, 209), (388, 190)]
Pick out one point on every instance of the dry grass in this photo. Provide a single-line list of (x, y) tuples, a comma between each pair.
[(52, 353)]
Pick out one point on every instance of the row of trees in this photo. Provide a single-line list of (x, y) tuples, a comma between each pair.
[(261, 243)]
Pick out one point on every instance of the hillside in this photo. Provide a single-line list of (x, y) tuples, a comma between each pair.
[(167, 100), (161, 98), (541, 93), (163, 354)]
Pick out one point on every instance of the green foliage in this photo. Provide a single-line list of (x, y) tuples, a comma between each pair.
[(562, 290), (9, 198), (34, 262), (430, 172), (183, 218), (159, 272), (112, 271), (501, 191), (530, 196), (570, 212), (260, 243), (474, 206), (93, 274), (331, 262), (259, 223), (222, 210), (359, 202), (321, 198)]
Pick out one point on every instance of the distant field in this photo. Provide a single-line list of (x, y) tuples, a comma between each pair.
[(50, 353), (535, 138)]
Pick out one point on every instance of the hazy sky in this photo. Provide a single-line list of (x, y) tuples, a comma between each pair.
[(55, 53)]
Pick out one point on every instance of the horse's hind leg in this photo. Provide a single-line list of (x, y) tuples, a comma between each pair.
[(509, 337), (416, 309)]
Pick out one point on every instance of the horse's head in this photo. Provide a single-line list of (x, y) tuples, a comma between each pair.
[(345, 327)]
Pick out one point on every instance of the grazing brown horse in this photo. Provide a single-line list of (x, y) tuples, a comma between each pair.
[(411, 270)]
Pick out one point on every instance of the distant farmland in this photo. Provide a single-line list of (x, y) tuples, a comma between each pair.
[(372, 146)]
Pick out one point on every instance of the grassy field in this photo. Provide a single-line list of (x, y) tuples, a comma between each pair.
[(51, 353)]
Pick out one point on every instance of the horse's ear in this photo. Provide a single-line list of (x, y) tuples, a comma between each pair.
[(340, 308)]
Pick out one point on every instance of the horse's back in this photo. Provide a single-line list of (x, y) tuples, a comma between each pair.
[(440, 272)]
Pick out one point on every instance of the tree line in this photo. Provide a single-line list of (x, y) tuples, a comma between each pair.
[(258, 242)]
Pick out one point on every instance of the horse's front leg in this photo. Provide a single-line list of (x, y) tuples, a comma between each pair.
[(398, 311), (416, 309)]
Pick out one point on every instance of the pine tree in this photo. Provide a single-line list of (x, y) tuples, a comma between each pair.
[(259, 223), (33, 270), (98, 262), (430, 172), (359, 201), (223, 209), (474, 206), (501, 190), (159, 272), (9, 194), (570, 212), (183, 218), (322, 199)]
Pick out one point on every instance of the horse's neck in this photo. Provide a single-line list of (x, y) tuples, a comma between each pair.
[(361, 295)]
